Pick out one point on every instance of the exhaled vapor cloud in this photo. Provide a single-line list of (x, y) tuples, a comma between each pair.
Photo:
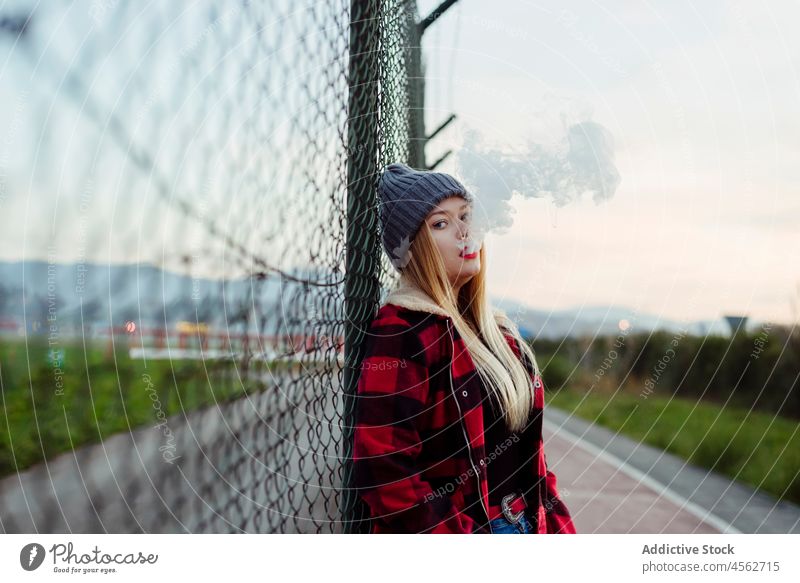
[(582, 162)]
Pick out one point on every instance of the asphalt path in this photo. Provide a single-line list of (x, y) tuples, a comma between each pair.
[(613, 484), (223, 483)]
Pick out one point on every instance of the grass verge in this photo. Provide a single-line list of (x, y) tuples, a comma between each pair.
[(759, 449)]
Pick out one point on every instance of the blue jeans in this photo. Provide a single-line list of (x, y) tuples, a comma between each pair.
[(503, 526)]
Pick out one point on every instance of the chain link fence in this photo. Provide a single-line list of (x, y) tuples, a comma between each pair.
[(190, 258)]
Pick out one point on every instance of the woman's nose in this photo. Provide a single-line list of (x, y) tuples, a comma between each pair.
[(463, 230)]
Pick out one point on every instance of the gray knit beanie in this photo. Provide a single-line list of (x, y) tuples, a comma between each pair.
[(407, 196)]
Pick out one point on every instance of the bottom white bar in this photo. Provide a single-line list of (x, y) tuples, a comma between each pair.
[(625, 557)]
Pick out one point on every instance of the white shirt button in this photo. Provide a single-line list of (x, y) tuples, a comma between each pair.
[(464, 393)]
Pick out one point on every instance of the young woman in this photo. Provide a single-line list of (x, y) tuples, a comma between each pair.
[(448, 435)]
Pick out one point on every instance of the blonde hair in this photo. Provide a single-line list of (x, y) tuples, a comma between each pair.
[(502, 372)]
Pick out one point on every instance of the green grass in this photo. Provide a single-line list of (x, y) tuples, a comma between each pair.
[(759, 449), (42, 415)]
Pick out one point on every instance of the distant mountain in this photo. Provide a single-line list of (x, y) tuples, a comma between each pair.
[(93, 295), (599, 320), (79, 295)]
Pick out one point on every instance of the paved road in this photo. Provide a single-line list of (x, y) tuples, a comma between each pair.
[(612, 484), (266, 463), (279, 474)]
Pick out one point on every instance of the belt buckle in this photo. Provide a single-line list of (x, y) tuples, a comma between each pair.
[(506, 505)]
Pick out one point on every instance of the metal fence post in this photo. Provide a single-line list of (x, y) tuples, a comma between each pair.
[(362, 288), (416, 97)]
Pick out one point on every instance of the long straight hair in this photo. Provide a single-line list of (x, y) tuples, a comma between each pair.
[(500, 369)]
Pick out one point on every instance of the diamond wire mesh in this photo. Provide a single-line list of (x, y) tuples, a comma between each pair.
[(173, 296)]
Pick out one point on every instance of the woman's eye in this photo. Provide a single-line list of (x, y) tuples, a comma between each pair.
[(437, 223)]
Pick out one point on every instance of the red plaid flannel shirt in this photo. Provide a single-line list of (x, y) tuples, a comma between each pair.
[(419, 449)]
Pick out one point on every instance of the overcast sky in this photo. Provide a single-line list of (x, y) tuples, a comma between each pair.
[(679, 121), (701, 100)]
